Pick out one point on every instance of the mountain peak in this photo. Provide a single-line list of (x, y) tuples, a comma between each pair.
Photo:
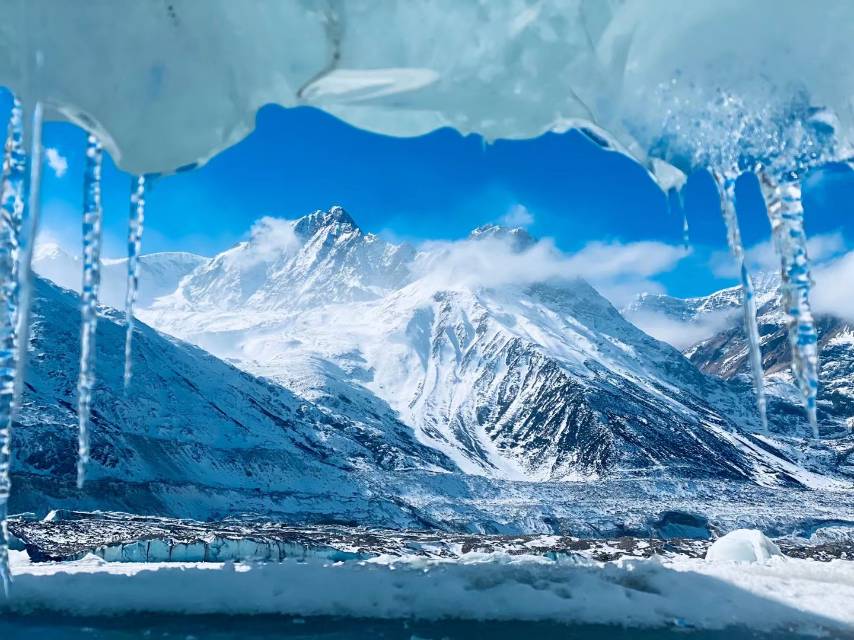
[(336, 216), (519, 238)]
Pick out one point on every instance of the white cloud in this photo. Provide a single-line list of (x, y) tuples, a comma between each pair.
[(518, 216), (761, 257), (271, 238), (678, 333), (619, 271), (834, 282), (56, 161), (607, 260)]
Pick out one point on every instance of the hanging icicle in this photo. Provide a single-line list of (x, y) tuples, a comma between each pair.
[(27, 244), (786, 213), (726, 189), (89, 298), (135, 225), (11, 215)]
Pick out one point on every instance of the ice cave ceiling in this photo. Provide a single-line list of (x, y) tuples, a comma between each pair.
[(169, 83)]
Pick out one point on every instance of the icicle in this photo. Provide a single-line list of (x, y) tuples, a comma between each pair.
[(686, 238), (27, 244), (675, 194), (726, 189), (137, 218), (786, 214), (89, 298), (11, 215)]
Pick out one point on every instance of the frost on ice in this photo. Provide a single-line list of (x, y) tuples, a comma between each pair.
[(89, 297)]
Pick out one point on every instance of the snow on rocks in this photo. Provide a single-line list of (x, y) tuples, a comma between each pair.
[(743, 545)]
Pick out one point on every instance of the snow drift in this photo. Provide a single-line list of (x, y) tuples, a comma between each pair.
[(780, 594)]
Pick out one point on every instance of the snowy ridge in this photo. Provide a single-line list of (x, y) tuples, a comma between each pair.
[(160, 273), (193, 435)]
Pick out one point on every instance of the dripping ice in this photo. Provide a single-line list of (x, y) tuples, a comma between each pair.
[(721, 132), (89, 297), (787, 227), (135, 226), (726, 189)]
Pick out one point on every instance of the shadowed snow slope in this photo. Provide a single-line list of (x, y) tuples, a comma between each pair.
[(486, 348), (195, 437)]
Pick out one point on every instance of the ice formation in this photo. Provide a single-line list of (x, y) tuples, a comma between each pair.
[(11, 215), (790, 242), (726, 188), (743, 545), (27, 244), (89, 297), (137, 218)]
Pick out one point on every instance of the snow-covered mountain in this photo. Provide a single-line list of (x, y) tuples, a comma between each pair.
[(508, 372), (194, 436), (321, 258), (720, 346), (159, 273)]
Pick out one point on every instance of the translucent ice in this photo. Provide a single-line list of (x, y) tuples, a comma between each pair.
[(783, 200), (171, 85), (11, 215), (135, 225), (89, 297), (726, 188)]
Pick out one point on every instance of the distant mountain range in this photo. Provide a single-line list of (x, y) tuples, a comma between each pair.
[(367, 370), (720, 346), (160, 273)]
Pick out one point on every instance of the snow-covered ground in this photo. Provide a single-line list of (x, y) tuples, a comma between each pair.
[(770, 593)]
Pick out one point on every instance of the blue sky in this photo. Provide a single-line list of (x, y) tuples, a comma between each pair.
[(437, 186)]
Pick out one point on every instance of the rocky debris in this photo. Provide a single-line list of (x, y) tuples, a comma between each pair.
[(71, 535)]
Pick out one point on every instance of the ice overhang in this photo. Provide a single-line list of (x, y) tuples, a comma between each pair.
[(169, 83)]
